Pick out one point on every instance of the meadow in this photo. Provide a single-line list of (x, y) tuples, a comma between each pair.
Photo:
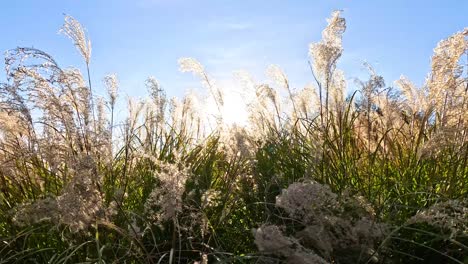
[(316, 175)]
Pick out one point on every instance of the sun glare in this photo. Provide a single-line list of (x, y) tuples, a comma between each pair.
[(234, 108)]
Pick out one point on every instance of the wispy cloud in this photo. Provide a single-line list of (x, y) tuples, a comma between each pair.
[(229, 24), (222, 61), (238, 26)]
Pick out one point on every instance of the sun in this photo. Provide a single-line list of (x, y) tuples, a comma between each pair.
[(234, 108)]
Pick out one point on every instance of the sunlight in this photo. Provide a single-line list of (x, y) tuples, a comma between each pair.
[(243, 167), (234, 110)]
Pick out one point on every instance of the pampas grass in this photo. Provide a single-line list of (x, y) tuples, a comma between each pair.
[(380, 173)]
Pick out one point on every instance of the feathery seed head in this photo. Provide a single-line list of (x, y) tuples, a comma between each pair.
[(112, 84), (326, 52), (191, 65), (277, 75), (73, 29)]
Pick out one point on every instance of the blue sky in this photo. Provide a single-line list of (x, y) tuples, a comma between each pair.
[(141, 38)]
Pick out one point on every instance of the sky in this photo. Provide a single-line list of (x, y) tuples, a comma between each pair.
[(141, 38)]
